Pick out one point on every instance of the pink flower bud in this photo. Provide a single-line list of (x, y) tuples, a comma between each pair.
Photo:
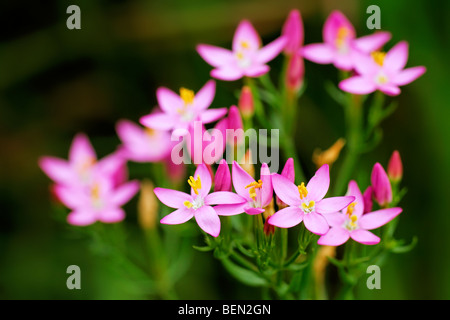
[(382, 190), (293, 31), (245, 103), (395, 167), (368, 203), (222, 179), (295, 72)]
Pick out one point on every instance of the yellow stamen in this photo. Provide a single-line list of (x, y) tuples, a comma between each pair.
[(187, 204), (253, 186), (351, 208), (240, 55), (195, 184), (308, 206), (378, 57), (353, 219), (95, 192), (302, 190), (150, 132), (245, 45), (382, 79), (187, 96), (342, 33)]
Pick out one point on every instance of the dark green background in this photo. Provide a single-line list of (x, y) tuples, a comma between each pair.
[(55, 82)]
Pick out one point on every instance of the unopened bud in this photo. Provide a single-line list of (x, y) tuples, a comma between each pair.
[(382, 190), (295, 73), (246, 104), (395, 167)]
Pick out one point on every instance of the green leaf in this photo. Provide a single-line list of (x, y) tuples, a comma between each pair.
[(203, 249), (245, 276), (337, 95)]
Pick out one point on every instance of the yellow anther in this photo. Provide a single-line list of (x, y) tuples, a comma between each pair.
[(187, 204), (378, 57), (302, 190), (351, 208), (308, 206), (245, 45), (95, 192), (382, 79), (343, 32), (195, 184), (353, 219), (149, 132), (87, 164), (187, 96), (253, 186), (240, 55)]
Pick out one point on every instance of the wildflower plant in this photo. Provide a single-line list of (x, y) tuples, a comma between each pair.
[(270, 228)]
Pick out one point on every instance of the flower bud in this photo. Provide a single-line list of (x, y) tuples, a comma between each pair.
[(293, 31), (222, 179), (269, 211), (395, 167), (246, 104), (382, 190), (367, 196), (295, 73), (147, 206)]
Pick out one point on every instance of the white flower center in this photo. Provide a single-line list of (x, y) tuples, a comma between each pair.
[(308, 206)]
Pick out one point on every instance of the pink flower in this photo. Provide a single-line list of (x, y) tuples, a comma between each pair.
[(222, 179), (99, 201), (143, 145), (254, 195), (354, 223), (198, 204), (246, 58), (395, 167), (382, 71), (381, 186), (293, 31), (205, 146), (83, 166), (178, 111), (307, 204), (340, 43)]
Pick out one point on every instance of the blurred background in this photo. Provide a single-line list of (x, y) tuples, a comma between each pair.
[(55, 82)]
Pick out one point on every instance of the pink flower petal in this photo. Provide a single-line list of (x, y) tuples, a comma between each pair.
[(287, 217), (318, 185), (286, 190), (72, 197), (372, 42), (344, 61), (208, 220), (241, 179), (376, 219), (124, 193), (230, 209), (205, 96), (334, 237), (246, 33), (256, 70), (178, 216), (397, 57), (267, 188), (57, 169), (212, 115), (389, 89), (227, 73), (159, 121), (215, 56), (333, 204), (223, 197), (81, 218), (364, 237), (288, 170), (168, 100), (172, 198), (357, 85), (316, 223), (111, 215), (205, 178), (319, 53), (253, 211), (271, 50), (353, 190), (81, 150), (335, 219), (408, 75), (334, 22)]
